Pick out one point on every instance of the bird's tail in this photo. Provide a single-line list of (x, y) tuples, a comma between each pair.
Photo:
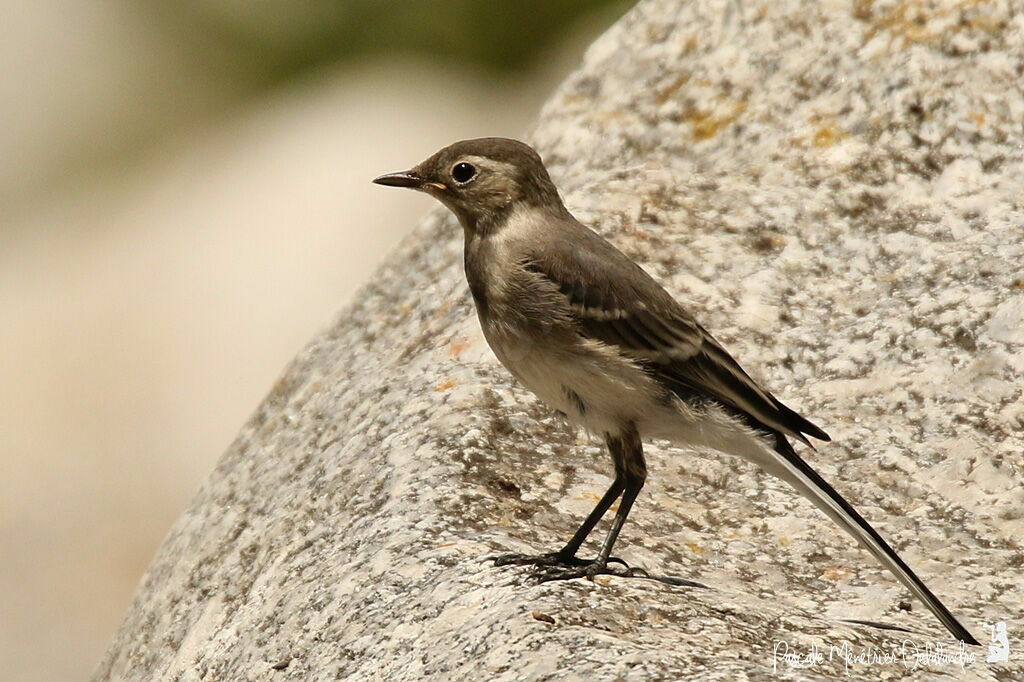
[(788, 466)]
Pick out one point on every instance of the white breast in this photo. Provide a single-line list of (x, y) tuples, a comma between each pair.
[(588, 382)]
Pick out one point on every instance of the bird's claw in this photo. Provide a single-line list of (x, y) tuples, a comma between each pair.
[(588, 570), (557, 566), (550, 559)]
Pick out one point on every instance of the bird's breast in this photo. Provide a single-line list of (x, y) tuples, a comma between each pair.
[(590, 384)]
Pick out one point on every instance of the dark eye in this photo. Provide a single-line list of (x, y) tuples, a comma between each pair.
[(463, 172)]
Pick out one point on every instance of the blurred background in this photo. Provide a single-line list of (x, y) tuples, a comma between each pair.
[(184, 202)]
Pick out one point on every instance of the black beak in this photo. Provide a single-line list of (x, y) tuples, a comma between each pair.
[(403, 179)]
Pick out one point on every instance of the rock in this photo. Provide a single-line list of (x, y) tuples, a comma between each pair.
[(836, 188)]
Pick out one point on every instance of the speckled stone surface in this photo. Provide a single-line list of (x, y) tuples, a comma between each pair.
[(838, 189)]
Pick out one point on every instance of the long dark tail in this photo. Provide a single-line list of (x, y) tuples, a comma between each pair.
[(795, 471)]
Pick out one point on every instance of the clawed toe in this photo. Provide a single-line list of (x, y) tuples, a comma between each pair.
[(553, 573), (636, 573), (554, 559), (588, 570), (554, 566)]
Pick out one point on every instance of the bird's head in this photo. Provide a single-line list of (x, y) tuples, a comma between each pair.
[(482, 181)]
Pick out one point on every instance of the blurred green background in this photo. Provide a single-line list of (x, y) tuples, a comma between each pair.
[(184, 202)]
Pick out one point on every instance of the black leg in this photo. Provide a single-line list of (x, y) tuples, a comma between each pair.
[(613, 492), (567, 555), (628, 497), (630, 472)]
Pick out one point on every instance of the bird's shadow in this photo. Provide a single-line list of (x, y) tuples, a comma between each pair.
[(620, 569)]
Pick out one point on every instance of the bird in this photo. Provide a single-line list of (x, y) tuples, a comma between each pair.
[(599, 340)]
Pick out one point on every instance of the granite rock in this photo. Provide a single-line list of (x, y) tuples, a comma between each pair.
[(836, 189)]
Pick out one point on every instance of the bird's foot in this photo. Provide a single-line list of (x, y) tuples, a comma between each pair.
[(558, 566), (549, 560), (588, 570)]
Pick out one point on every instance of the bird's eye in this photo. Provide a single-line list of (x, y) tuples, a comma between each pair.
[(463, 172)]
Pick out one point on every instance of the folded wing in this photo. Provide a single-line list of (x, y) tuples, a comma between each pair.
[(631, 311)]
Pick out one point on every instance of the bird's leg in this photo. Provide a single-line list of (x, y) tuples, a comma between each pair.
[(628, 497), (613, 492), (567, 555), (627, 452)]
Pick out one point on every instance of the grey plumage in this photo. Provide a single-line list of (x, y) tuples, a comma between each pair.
[(595, 337)]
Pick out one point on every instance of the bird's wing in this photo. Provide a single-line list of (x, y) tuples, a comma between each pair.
[(616, 302)]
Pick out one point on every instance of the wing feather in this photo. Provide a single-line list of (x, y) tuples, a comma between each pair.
[(628, 309)]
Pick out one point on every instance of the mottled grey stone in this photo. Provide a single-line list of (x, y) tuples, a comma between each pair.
[(837, 188)]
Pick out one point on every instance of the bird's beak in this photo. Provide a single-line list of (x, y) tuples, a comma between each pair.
[(402, 179), (407, 178)]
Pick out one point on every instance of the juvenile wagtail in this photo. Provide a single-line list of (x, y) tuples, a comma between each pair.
[(596, 338)]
